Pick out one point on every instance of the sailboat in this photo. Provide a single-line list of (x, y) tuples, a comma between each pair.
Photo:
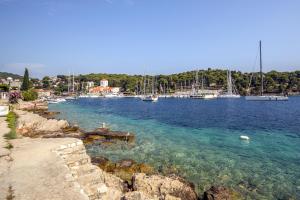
[(263, 97), (151, 97), (200, 95), (229, 93)]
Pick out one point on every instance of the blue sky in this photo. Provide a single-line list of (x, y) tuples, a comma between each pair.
[(147, 36)]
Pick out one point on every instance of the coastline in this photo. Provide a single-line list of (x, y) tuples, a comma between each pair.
[(90, 180)]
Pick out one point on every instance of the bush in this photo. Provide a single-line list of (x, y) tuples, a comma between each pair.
[(14, 96), (29, 95), (12, 120)]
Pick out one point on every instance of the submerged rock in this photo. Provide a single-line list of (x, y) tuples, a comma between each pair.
[(124, 169), (221, 193)]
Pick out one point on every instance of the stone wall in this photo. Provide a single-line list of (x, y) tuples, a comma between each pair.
[(97, 184)]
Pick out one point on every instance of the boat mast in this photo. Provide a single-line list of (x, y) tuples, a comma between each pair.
[(153, 79), (73, 89), (145, 86), (261, 73), (229, 82), (202, 82), (69, 83)]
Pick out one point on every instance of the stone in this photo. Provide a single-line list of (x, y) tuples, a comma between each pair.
[(160, 186), (126, 163), (137, 195), (217, 193), (110, 135)]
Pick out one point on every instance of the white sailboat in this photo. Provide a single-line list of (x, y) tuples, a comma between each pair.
[(201, 95), (150, 97), (262, 97), (229, 93)]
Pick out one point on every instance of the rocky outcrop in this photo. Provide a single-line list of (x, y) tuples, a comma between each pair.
[(161, 187), (32, 105), (32, 125)]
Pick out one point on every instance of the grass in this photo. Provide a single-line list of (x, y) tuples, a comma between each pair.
[(12, 120), (9, 146)]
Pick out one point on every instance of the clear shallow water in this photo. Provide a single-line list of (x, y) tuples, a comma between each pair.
[(201, 140)]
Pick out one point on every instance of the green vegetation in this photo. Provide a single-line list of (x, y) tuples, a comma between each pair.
[(29, 95), (25, 83), (12, 120), (46, 82), (4, 87), (274, 82), (9, 146), (5, 75)]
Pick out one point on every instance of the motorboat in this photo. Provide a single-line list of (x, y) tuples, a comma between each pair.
[(153, 98)]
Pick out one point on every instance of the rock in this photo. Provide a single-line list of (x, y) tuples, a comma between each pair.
[(33, 125), (110, 135), (137, 195), (124, 169), (46, 114), (32, 105), (217, 193), (162, 187), (126, 163)]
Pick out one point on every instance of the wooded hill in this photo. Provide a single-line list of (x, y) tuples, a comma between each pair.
[(274, 82)]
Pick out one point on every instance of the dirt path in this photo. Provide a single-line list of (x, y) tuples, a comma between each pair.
[(4, 159), (35, 171)]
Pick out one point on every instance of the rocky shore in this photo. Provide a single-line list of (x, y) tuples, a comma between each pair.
[(49, 161)]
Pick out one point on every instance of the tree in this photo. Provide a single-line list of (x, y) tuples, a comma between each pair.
[(4, 87), (25, 83), (46, 82), (29, 95)]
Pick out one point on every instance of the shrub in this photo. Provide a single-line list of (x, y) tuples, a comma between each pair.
[(12, 120), (29, 95), (14, 96)]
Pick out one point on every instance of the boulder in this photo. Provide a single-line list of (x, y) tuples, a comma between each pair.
[(217, 193), (163, 187)]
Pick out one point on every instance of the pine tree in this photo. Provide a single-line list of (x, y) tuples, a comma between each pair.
[(25, 83)]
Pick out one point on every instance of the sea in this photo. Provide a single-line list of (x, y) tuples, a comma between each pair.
[(200, 140)]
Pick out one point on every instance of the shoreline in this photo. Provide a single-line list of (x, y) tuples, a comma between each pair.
[(143, 186)]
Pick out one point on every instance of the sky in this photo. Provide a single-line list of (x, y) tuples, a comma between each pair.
[(147, 36)]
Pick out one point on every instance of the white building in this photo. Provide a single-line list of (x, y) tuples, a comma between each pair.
[(115, 90), (104, 83), (90, 84)]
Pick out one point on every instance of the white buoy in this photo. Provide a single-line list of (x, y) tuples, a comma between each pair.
[(244, 137)]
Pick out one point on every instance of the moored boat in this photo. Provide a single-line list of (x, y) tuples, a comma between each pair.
[(150, 98), (230, 90), (262, 97)]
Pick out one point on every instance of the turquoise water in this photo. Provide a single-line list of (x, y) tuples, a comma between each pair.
[(200, 140)]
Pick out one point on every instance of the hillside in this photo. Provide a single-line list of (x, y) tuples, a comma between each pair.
[(6, 74)]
